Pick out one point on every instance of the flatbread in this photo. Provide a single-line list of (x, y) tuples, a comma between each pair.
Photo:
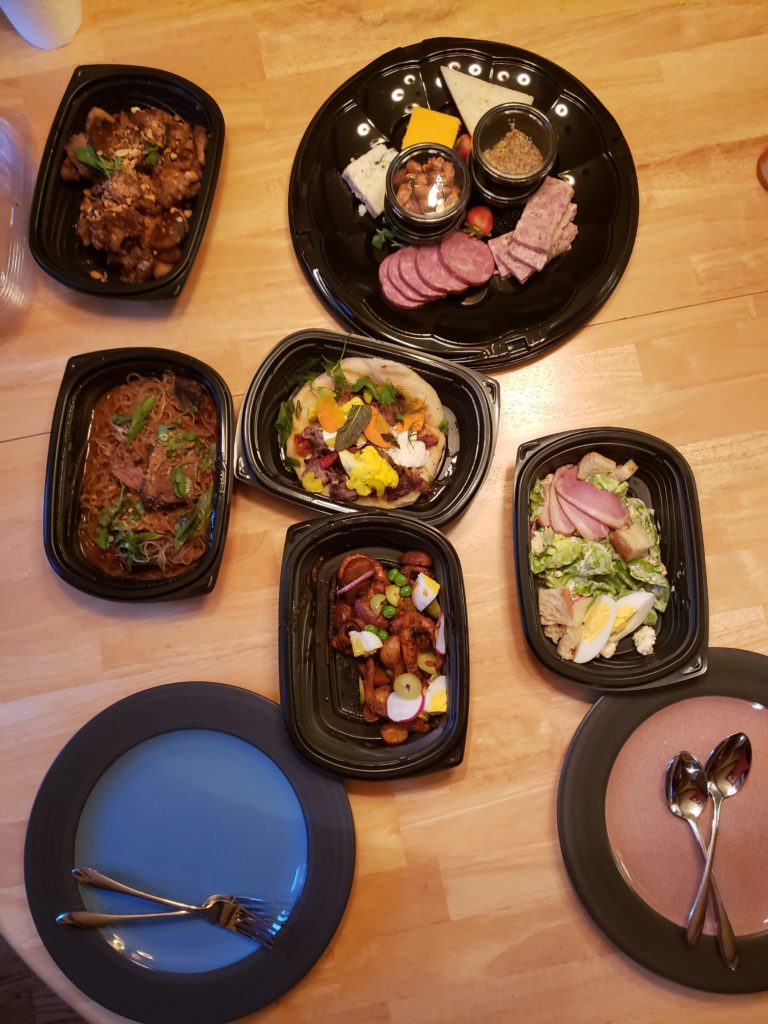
[(409, 384)]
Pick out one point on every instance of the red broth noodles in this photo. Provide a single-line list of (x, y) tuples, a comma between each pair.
[(147, 492)]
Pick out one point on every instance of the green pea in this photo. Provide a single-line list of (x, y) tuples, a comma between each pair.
[(400, 579), (405, 591), (372, 629), (389, 611), (383, 634), (392, 574)]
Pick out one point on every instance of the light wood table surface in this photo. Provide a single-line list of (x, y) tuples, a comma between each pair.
[(461, 908)]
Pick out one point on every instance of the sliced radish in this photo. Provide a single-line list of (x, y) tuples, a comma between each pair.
[(440, 635), (403, 709)]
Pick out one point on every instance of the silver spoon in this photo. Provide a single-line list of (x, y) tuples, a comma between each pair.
[(727, 769), (687, 796)]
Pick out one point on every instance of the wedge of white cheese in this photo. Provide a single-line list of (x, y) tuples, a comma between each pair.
[(367, 176), (473, 96)]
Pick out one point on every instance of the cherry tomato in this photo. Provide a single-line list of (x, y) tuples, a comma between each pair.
[(480, 220), (464, 146)]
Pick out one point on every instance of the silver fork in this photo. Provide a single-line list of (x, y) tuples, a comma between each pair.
[(248, 916)]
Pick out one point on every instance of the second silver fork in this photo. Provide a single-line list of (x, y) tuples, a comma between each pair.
[(248, 916)]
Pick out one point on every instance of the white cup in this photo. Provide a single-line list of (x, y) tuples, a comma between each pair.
[(44, 23)]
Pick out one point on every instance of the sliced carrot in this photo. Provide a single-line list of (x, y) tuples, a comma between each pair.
[(329, 413), (376, 427), (414, 420)]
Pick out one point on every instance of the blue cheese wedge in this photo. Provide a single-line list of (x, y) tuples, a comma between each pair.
[(473, 96), (367, 176)]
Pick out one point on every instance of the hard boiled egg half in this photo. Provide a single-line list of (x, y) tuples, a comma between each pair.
[(595, 628), (631, 612)]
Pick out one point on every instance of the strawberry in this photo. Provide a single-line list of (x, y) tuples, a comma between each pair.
[(479, 221)]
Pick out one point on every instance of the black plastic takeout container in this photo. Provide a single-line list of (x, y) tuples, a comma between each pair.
[(56, 203), (86, 378), (665, 483), (319, 690), (471, 401)]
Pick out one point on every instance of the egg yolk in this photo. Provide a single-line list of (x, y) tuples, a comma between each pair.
[(595, 620), (623, 615)]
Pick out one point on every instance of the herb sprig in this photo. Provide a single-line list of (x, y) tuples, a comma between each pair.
[(87, 155)]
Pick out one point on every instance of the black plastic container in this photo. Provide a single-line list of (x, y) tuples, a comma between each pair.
[(665, 483), (86, 379), (56, 203), (471, 398), (319, 689)]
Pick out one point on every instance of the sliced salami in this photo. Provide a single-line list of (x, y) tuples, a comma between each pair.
[(432, 272), (399, 281), (391, 293), (467, 258), (406, 267)]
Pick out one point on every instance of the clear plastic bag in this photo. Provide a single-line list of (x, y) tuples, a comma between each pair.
[(15, 194)]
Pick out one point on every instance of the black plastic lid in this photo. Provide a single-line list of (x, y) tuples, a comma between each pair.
[(319, 690), (86, 378), (56, 203), (665, 483), (470, 398)]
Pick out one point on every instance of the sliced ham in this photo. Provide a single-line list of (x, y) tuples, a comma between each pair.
[(589, 527), (595, 501), (544, 514), (558, 517)]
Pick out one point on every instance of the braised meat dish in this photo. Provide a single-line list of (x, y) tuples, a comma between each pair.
[(143, 169)]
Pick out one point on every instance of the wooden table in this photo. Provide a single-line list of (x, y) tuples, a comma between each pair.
[(461, 908)]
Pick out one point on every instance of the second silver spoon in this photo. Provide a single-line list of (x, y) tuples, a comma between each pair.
[(687, 796), (727, 769)]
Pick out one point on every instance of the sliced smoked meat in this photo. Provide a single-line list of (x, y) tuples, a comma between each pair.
[(390, 291), (406, 268), (433, 273), (467, 258), (595, 501)]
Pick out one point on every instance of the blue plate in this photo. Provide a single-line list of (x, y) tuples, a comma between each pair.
[(185, 791)]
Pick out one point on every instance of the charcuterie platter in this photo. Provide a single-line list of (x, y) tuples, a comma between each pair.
[(478, 303)]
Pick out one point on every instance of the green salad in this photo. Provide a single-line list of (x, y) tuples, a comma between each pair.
[(592, 567)]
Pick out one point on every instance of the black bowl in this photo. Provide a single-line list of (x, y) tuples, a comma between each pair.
[(665, 483), (470, 397), (86, 379), (56, 203), (319, 690)]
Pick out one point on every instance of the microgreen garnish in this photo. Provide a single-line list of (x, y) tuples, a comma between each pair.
[(385, 394), (384, 237), (284, 422), (87, 155)]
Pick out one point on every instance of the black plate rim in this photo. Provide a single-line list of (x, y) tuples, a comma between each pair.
[(688, 663), (170, 285), (201, 579), (497, 354), (449, 751), (248, 468), (639, 931), (210, 997)]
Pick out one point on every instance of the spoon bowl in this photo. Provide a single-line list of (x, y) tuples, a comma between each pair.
[(687, 797), (727, 769)]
